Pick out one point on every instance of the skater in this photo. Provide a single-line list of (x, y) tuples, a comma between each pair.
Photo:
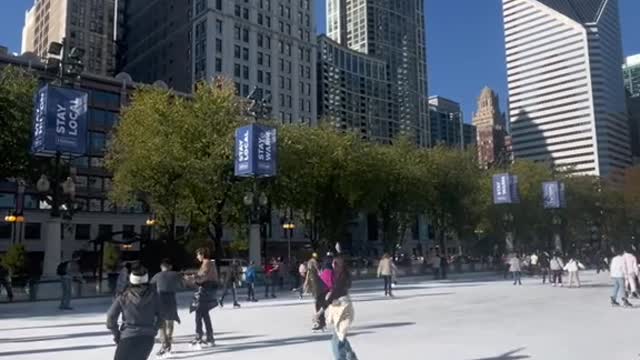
[(204, 299), (387, 269), (250, 278), (167, 283), (314, 285), (231, 280), (5, 281), (340, 313), (270, 278), (573, 267), (556, 265), (544, 267), (435, 265), (302, 275), (515, 267), (68, 271), (618, 273), (631, 265), (282, 273), (141, 314)]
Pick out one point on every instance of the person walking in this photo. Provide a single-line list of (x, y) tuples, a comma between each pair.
[(314, 285), (167, 283), (204, 298), (302, 275), (231, 279), (618, 273), (515, 267), (5, 281), (386, 270), (250, 277), (573, 267), (141, 313), (556, 265), (340, 312), (631, 265), (270, 278), (544, 263), (68, 271)]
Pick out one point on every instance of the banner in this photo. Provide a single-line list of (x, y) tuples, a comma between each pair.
[(256, 151), (553, 195), (505, 189), (59, 121)]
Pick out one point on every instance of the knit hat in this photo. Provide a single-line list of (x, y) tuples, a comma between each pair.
[(138, 276)]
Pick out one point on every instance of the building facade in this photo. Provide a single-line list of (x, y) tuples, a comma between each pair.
[(631, 70), (393, 31), (447, 126), (566, 94), (490, 127), (83, 24), (353, 90)]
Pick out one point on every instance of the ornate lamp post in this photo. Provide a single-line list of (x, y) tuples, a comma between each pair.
[(289, 227), (256, 208), (507, 222)]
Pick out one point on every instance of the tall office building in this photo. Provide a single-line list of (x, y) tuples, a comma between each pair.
[(490, 125), (566, 93), (447, 126), (631, 69), (83, 24), (393, 31)]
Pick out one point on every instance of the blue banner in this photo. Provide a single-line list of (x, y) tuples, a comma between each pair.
[(256, 151), (505, 189), (59, 121), (553, 195)]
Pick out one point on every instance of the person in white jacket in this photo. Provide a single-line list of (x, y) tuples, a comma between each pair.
[(618, 273), (573, 267), (631, 265)]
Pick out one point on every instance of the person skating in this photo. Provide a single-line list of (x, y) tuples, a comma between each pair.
[(631, 265), (515, 267), (167, 283), (314, 285), (386, 270), (544, 263), (302, 274), (556, 265), (68, 271), (340, 312), (250, 278), (5, 281), (204, 298), (270, 278), (573, 267), (618, 273), (141, 313), (231, 280)]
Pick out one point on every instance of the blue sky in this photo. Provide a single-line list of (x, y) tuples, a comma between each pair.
[(465, 46)]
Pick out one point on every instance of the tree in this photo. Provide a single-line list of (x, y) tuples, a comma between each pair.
[(15, 259), (17, 87)]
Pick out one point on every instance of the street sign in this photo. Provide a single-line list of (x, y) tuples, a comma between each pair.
[(256, 151), (505, 189), (59, 121), (553, 195)]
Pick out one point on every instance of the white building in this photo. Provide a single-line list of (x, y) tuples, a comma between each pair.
[(566, 93)]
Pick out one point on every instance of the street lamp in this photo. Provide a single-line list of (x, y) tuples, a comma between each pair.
[(255, 217), (507, 220), (290, 227)]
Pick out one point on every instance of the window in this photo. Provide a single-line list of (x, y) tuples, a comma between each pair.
[(245, 72), (218, 4), (83, 231), (219, 45), (105, 231), (245, 54), (236, 70), (128, 232), (95, 205), (245, 35), (5, 230), (32, 231), (260, 76), (267, 78), (218, 65), (7, 200), (260, 58), (245, 13), (237, 32), (95, 183), (245, 90), (237, 10), (236, 51), (260, 21), (219, 26), (200, 6), (97, 142)]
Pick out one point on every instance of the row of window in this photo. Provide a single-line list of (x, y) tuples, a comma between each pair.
[(33, 231), (97, 184)]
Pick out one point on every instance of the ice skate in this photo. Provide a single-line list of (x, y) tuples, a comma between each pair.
[(164, 352), (236, 305), (614, 303), (626, 303)]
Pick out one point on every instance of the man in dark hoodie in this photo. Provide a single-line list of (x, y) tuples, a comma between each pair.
[(167, 283), (141, 312)]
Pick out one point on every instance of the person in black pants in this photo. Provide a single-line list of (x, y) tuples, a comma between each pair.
[(5, 281), (204, 298)]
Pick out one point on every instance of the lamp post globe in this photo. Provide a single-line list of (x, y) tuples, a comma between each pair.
[(43, 184)]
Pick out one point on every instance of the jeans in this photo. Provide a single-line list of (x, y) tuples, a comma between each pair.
[(387, 285), (202, 316), (342, 349), (134, 348), (251, 291), (618, 289), (233, 292), (65, 301), (269, 284), (166, 332), (545, 273), (7, 286), (557, 276), (516, 277)]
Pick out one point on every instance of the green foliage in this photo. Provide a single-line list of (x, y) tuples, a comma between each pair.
[(15, 259), (111, 257)]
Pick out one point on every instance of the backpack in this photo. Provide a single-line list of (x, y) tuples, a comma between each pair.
[(61, 270)]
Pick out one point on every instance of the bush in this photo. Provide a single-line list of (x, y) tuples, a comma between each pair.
[(16, 260), (111, 257)]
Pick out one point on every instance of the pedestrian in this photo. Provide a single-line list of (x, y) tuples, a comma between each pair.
[(283, 270), (68, 271), (204, 298), (231, 279), (302, 275), (141, 313), (556, 265), (435, 265), (386, 270), (535, 261), (545, 271), (340, 312), (167, 283), (618, 273), (573, 267), (270, 278), (515, 267), (314, 285), (250, 278), (631, 265), (5, 281)]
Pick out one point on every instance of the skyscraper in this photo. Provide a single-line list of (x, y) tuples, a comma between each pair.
[(490, 126), (87, 25), (447, 126), (393, 31), (631, 71), (566, 94)]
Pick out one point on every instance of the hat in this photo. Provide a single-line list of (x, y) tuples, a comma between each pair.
[(138, 276)]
